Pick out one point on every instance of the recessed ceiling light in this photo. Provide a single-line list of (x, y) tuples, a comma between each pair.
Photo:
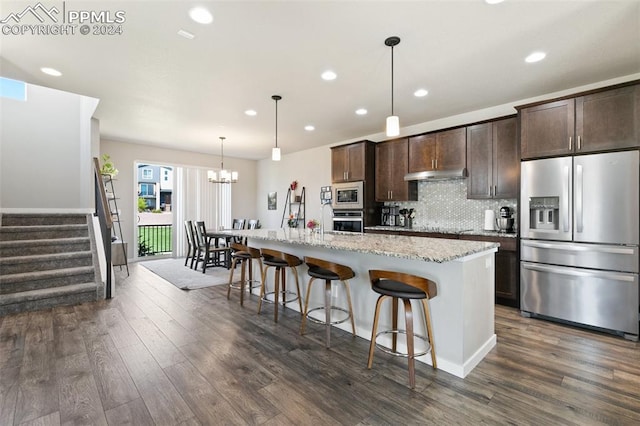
[(201, 15), (535, 57), (493, 1), (421, 93), (186, 34), (309, 128), (329, 75), (251, 112), (361, 111), (51, 71)]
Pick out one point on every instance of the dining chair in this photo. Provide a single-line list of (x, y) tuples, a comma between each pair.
[(191, 246)]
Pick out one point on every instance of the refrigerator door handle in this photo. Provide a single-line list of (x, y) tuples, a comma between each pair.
[(568, 247), (579, 200), (579, 272), (565, 198)]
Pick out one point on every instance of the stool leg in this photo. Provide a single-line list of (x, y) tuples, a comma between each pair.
[(303, 323), (408, 316), (243, 267), (427, 318), (327, 310), (374, 330), (295, 274), (262, 287), (394, 324), (348, 293), (230, 280), (279, 275), (250, 275)]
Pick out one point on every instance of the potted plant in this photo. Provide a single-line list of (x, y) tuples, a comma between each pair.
[(107, 166)]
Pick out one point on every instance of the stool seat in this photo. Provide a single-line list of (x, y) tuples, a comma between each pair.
[(329, 272), (399, 285), (323, 274), (280, 261), (397, 289), (245, 255)]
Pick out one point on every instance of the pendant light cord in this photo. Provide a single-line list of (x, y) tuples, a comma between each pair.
[(276, 123), (222, 138), (391, 80)]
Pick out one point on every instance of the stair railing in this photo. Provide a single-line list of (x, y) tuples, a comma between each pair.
[(104, 217)]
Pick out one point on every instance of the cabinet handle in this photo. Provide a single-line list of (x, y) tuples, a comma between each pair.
[(570, 145), (495, 190), (579, 143), (490, 189), (432, 166), (436, 164)]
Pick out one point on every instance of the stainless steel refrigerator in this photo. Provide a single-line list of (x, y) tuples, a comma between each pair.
[(579, 240)]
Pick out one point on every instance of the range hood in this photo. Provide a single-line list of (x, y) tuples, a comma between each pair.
[(437, 175)]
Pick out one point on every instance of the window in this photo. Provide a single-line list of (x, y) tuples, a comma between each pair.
[(13, 89), (166, 175), (147, 189), (147, 173)]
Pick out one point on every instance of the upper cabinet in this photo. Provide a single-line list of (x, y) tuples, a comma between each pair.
[(349, 162), (392, 162), (438, 151), (492, 159), (598, 121)]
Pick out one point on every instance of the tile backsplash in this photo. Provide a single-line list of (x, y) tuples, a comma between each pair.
[(445, 204)]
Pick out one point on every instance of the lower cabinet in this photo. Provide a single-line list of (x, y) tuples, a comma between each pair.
[(507, 269)]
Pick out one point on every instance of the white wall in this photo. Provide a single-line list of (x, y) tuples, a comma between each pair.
[(45, 152), (125, 154)]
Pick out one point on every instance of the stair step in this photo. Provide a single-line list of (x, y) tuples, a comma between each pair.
[(45, 298), (42, 232), (18, 219), (43, 246), (42, 262), (26, 281)]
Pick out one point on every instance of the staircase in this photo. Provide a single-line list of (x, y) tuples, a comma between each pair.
[(46, 260)]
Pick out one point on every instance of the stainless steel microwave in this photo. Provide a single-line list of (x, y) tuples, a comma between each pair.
[(348, 195)]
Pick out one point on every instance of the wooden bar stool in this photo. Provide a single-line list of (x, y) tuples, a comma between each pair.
[(329, 272), (398, 285), (280, 261), (245, 255)]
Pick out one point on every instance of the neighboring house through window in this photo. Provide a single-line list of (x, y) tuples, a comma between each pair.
[(147, 189)]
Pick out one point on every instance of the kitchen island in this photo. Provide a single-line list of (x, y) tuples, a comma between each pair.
[(462, 312)]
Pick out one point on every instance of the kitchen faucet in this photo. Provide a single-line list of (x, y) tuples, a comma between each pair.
[(322, 217)]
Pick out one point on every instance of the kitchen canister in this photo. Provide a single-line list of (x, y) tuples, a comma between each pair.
[(489, 220)]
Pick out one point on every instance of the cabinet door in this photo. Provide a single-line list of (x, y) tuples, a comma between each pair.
[(506, 278), (399, 167), (480, 161), (506, 165), (608, 120), (339, 164), (451, 148), (422, 153), (547, 130), (356, 162), (383, 168)]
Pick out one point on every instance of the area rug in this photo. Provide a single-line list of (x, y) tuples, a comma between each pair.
[(174, 271)]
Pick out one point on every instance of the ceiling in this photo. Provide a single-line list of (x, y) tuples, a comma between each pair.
[(156, 87)]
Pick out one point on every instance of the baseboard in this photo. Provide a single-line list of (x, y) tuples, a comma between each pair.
[(46, 210)]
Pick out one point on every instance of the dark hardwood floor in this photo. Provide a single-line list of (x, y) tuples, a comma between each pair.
[(159, 355)]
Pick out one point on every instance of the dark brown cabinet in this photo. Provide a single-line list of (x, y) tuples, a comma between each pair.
[(392, 160), (492, 159), (438, 151), (600, 121), (349, 162), (506, 269)]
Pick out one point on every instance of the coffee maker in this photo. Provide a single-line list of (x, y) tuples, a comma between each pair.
[(389, 216)]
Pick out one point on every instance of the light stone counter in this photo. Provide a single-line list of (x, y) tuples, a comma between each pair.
[(462, 312), (417, 248)]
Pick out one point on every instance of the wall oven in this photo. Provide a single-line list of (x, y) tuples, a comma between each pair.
[(348, 220), (348, 195)]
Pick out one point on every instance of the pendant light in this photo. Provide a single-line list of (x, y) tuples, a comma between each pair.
[(393, 122), (224, 176), (275, 152)]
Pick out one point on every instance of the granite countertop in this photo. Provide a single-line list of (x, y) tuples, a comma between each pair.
[(443, 230), (437, 250)]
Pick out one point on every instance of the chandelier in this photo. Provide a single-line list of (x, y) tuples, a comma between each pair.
[(224, 175)]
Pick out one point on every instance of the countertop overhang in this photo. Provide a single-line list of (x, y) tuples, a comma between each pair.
[(437, 250)]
